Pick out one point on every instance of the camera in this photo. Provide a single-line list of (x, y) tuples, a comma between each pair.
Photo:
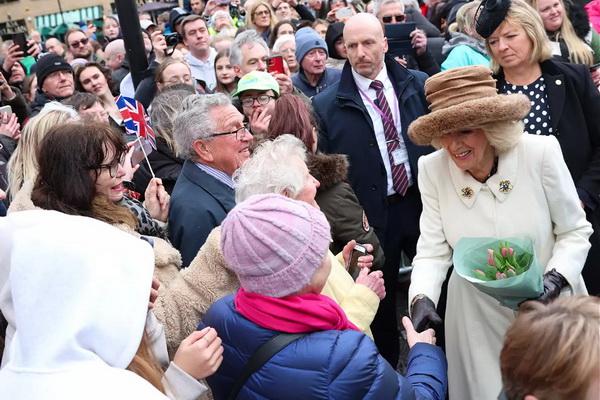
[(172, 39), (236, 12)]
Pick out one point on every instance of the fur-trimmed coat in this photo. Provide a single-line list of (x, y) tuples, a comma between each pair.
[(340, 205)]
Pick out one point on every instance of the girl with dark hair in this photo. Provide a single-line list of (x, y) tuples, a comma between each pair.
[(95, 79), (334, 196), (226, 79), (285, 27)]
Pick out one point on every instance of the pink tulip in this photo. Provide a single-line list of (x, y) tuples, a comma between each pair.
[(479, 273), (491, 260), (511, 251), (500, 275), (505, 252)]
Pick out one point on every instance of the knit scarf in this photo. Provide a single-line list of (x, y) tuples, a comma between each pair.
[(302, 313)]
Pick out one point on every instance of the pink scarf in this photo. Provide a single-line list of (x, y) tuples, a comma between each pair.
[(293, 314)]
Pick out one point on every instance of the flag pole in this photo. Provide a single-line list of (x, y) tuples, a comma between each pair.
[(139, 139)]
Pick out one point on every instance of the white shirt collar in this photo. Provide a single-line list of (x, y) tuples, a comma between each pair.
[(364, 83)]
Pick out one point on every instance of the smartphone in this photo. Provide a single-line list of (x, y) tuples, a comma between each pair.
[(344, 12), (5, 110), (352, 264), (398, 38), (275, 64), (21, 40)]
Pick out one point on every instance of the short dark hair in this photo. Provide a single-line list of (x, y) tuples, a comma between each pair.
[(189, 19), (82, 100)]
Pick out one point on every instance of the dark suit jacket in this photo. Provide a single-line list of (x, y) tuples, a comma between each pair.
[(198, 204), (575, 113), (346, 128)]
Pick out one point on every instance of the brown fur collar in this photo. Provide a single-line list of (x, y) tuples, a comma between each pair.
[(329, 169)]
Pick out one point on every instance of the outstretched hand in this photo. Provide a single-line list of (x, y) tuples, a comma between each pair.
[(413, 337)]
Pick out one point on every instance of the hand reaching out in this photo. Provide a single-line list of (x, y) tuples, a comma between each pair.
[(200, 354), (413, 337)]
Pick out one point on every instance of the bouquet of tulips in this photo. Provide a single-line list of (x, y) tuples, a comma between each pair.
[(504, 263), (505, 269)]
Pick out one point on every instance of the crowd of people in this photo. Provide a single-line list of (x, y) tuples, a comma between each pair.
[(289, 167)]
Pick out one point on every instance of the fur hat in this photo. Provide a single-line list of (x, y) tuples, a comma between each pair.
[(463, 98)]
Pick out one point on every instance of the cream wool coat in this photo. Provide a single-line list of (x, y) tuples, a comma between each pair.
[(182, 304), (542, 204)]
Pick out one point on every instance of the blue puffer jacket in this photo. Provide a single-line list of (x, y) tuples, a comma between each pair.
[(322, 365)]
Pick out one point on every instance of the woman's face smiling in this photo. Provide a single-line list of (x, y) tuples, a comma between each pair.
[(109, 178), (470, 151)]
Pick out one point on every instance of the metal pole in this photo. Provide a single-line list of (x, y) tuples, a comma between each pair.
[(61, 11), (132, 36)]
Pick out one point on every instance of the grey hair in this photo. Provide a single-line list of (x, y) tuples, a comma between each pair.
[(165, 107), (281, 40), (248, 37), (195, 121), (269, 170), (502, 135), (381, 3)]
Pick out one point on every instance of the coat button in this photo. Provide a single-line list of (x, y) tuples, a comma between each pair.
[(558, 82), (373, 188)]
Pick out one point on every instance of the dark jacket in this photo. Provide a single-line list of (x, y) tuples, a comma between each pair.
[(198, 204), (338, 202), (165, 164), (330, 76), (18, 104), (321, 365), (575, 109), (40, 101), (346, 128)]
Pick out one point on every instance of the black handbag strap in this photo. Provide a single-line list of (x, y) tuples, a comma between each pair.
[(260, 358)]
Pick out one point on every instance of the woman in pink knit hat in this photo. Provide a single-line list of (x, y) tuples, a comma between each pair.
[(278, 248)]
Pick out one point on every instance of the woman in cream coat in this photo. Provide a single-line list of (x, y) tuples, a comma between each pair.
[(487, 180)]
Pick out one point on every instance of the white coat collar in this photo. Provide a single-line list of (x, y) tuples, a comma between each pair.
[(500, 184)]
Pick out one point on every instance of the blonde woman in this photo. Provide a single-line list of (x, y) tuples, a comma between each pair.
[(23, 165), (565, 42), (564, 102), (262, 19)]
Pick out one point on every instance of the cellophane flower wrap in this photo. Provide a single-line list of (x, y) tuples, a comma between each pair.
[(506, 269)]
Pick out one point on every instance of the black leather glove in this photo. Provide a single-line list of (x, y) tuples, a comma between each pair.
[(554, 282), (424, 315)]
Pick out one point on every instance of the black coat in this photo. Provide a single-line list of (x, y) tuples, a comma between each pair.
[(346, 128), (165, 164), (575, 112)]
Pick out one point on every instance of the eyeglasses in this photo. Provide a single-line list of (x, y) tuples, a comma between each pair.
[(239, 132), (263, 99), (263, 12), (395, 18), (112, 168), (77, 43)]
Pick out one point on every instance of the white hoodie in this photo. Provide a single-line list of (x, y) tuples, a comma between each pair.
[(80, 291)]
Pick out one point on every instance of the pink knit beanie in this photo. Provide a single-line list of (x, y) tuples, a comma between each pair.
[(274, 244)]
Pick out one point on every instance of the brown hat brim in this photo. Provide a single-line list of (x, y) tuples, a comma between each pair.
[(469, 114)]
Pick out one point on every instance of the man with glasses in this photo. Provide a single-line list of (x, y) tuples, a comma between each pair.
[(393, 12), (257, 92), (311, 53), (210, 135), (79, 45)]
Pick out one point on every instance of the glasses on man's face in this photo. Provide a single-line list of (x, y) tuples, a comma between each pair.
[(393, 19), (239, 132), (78, 43), (113, 168), (263, 99)]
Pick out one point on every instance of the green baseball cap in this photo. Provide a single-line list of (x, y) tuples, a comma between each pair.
[(257, 80)]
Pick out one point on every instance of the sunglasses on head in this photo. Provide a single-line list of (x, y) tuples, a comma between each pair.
[(393, 19), (81, 42)]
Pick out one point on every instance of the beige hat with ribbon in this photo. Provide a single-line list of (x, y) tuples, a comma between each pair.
[(463, 98)]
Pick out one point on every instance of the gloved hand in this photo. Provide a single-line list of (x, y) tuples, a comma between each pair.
[(554, 282), (424, 315)]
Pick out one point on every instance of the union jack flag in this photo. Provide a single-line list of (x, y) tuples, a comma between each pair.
[(135, 119)]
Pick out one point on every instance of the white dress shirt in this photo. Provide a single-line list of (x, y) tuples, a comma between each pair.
[(364, 88)]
